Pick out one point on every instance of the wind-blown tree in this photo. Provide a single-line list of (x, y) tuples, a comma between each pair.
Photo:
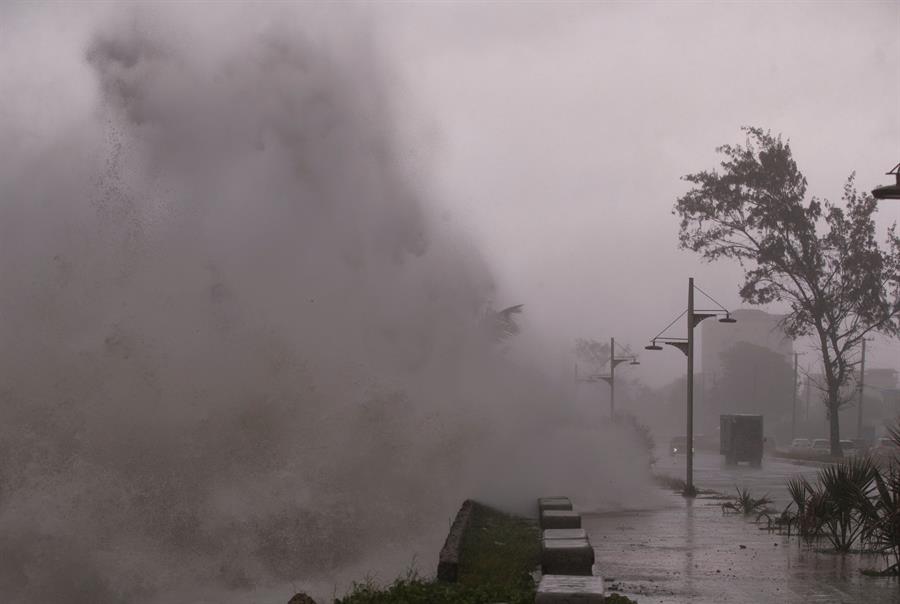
[(591, 352), (820, 259)]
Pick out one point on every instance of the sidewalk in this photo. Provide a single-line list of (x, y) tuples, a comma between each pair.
[(690, 552)]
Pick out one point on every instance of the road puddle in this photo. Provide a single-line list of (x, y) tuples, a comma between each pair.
[(691, 552)]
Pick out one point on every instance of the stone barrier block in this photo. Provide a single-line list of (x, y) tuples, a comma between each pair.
[(565, 589), (575, 533), (554, 503), (560, 519), (448, 560), (566, 557)]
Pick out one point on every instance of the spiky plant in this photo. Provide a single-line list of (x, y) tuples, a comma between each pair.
[(746, 504), (881, 518), (780, 523), (845, 491), (807, 504)]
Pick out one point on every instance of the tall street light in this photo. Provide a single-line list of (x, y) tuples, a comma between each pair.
[(611, 378), (889, 191), (686, 345)]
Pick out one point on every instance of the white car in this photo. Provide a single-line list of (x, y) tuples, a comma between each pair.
[(849, 448), (821, 445), (801, 443)]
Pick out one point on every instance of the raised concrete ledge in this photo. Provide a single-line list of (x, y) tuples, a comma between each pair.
[(574, 533), (448, 561), (560, 519), (564, 589), (554, 503), (567, 557)]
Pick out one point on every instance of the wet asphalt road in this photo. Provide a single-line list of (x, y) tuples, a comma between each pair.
[(687, 551), (711, 473)]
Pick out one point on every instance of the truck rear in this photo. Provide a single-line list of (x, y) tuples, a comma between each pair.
[(741, 438)]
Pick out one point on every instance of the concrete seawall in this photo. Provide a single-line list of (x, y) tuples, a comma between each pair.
[(448, 560)]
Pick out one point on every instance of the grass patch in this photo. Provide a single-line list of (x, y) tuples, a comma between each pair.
[(499, 549), (680, 486), (420, 591), (499, 552), (618, 599)]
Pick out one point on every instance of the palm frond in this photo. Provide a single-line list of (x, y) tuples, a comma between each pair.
[(501, 325)]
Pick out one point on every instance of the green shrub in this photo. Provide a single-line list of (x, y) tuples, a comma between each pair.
[(881, 518), (746, 504), (418, 591), (618, 599), (499, 551)]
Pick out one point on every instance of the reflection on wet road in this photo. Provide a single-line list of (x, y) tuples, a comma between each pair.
[(688, 551), (710, 472)]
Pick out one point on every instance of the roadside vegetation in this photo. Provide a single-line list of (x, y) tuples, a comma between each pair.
[(746, 504), (820, 259), (852, 505), (499, 553)]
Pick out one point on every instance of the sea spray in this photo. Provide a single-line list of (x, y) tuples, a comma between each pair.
[(239, 352)]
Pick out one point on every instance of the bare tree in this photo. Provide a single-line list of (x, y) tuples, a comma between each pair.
[(820, 258), (591, 352)]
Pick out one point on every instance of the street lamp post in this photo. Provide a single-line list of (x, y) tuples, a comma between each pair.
[(611, 378), (686, 345), (889, 191)]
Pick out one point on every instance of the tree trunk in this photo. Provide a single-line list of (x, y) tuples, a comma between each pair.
[(833, 424), (832, 403)]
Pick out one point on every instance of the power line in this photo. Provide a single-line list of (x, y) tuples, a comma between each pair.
[(669, 325), (711, 299)]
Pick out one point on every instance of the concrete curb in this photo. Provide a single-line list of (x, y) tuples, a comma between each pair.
[(576, 533), (448, 560), (567, 557), (813, 463), (554, 503), (556, 589), (560, 519)]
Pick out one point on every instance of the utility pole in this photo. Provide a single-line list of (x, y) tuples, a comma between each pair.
[(612, 377), (808, 388), (689, 487), (862, 384), (794, 403)]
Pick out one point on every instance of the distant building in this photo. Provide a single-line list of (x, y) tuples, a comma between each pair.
[(753, 326)]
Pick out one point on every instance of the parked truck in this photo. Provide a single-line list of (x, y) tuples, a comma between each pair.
[(741, 438)]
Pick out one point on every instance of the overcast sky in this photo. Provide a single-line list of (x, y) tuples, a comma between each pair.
[(560, 134)]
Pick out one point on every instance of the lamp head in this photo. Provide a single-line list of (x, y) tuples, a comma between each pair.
[(727, 319), (634, 362), (889, 191), (653, 346)]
